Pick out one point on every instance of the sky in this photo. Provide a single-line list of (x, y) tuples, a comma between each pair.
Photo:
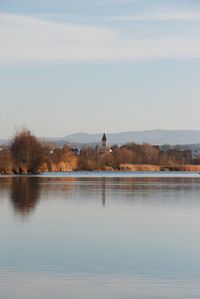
[(91, 66)]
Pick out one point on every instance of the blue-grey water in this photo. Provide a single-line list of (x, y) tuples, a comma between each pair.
[(100, 235)]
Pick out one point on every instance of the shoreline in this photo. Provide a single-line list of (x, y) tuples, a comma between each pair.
[(108, 174), (124, 168)]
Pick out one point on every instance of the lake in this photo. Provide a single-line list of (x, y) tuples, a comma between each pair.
[(100, 236)]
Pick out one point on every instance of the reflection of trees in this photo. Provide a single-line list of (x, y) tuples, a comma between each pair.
[(25, 192), (104, 191)]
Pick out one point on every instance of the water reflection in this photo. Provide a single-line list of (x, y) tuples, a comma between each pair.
[(104, 191), (147, 226), (31, 286), (24, 194)]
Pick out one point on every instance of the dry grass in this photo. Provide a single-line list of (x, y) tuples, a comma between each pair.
[(139, 167), (192, 168), (64, 166), (143, 167)]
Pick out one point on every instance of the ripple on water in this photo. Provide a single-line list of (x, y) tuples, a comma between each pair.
[(15, 285)]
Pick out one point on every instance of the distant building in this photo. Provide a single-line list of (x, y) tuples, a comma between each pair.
[(76, 150), (103, 146), (104, 140), (195, 153)]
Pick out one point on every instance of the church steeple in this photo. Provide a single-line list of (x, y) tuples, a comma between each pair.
[(104, 140)]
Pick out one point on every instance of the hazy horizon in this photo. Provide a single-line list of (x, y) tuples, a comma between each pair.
[(97, 132), (157, 137), (88, 66)]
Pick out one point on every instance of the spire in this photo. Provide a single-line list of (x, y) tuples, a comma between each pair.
[(104, 137)]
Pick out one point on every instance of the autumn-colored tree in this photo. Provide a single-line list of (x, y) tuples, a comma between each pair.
[(150, 154), (63, 154), (5, 161), (122, 155), (88, 159), (26, 151)]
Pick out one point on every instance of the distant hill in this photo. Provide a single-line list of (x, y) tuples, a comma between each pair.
[(158, 137)]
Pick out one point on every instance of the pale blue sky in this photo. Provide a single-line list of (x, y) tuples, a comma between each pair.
[(111, 65)]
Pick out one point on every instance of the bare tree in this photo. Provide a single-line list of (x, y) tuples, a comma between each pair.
[(26, 151), (5, 161)]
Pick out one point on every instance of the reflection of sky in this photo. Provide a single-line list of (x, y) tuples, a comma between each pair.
[(99, 287), (144, 227)]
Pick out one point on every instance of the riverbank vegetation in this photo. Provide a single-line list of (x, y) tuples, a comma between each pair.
[(26, 154)]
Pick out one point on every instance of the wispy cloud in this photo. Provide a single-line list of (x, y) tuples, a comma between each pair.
[(160, 16), (30, 40)]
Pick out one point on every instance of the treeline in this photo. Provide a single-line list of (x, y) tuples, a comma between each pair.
[(27, 154), (132, 154)]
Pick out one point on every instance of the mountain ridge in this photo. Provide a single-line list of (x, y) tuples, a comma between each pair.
[(156, 137)]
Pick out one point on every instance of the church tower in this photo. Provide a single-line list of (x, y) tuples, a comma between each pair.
[(104, 141)]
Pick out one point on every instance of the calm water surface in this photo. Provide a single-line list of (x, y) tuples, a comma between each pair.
[(100, 236)]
